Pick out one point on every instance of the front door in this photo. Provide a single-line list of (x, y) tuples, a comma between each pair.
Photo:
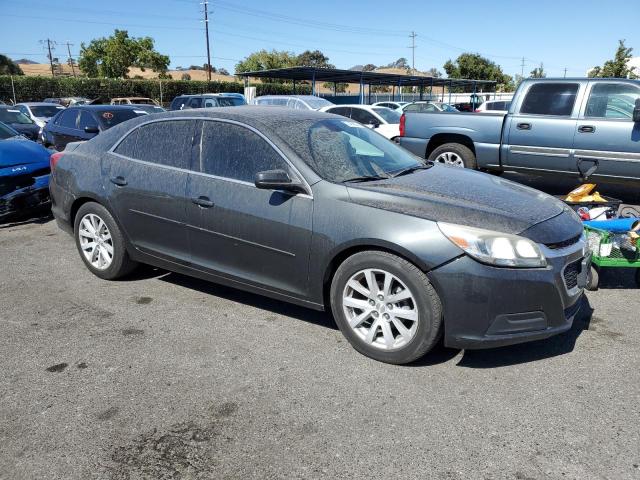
[(146, 182), (606, 133), (541, 129), (258, 237)]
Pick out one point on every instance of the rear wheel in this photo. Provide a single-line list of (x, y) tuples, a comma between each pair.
[(100, 242), (386, 307), (454, 155), (593, 279)]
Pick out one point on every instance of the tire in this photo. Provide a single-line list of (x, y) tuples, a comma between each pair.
[(454, 154), (119, 264), (593, 280), (396, 338)]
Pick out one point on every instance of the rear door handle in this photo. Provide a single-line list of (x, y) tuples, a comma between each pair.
[(203, 201), (586, 129), (524, 126), (119, 181)]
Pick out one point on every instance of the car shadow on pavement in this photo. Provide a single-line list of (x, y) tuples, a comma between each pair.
[(533, 351), (279, 307), (24, 219)]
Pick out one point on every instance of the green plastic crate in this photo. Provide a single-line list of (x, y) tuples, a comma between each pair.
[(608, 249)]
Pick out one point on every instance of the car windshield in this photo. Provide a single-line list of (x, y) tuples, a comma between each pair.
[(389, 116), (230, 101), (317, 103), (9, 115), (109, 118), (7, 132), (340, 150), (46, 111)]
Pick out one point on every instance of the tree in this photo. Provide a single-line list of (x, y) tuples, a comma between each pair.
[(264, 60), (313, 59), (111, 57), (538, 72), (185, 76), (402, 63), (434, 72), (619, 66), (476, 67), (9, 67), (223, 71), (369, 67)]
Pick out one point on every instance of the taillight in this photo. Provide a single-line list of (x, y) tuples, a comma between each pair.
[(402, 120), (53, 161)]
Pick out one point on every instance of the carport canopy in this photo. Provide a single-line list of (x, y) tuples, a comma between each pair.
[(336, 75)]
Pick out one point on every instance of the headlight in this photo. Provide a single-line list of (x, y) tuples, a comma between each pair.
[(494, 248)]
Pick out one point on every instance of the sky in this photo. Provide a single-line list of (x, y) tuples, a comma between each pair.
[(575, 35)]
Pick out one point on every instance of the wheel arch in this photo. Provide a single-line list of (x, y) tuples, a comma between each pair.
[(343, 252), (440, 139)]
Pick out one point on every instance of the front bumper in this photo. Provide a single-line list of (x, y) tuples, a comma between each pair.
[(26, 199), (487, 306)]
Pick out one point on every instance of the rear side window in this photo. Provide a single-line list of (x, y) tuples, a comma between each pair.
[(344, 111), (210, 102), (86, 120), (166, 143), (235, 152), (550, 99), (195, 102), (68, 118)]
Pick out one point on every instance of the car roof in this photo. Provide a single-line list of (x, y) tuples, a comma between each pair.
[(104, 107), (36, 104)]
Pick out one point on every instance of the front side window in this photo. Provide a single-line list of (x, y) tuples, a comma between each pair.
[(210, 102), (612, 100), (166, 143), (388, 115), (341, 149), (550, 99), (235, 152), (86, 120), (195, 102)]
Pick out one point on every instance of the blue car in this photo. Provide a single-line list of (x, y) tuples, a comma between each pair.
[(24, 174)]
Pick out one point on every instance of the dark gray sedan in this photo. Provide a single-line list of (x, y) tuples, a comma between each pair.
[(315, 209)]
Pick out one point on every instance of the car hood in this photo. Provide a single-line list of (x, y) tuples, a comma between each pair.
[(474, 199), (19, 156)]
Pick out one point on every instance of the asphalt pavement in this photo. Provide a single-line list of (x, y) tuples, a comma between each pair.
[(162, 376)]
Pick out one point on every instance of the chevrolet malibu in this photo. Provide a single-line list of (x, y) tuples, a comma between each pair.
[(315, 209)]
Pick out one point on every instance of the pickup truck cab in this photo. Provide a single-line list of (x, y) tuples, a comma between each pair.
[(574, 127)]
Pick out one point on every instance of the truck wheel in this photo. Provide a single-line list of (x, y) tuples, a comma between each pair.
[(593, 279), (454, 155)]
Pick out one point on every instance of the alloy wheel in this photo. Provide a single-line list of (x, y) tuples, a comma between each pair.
[(380, 309), (451, 159), (95, 241)]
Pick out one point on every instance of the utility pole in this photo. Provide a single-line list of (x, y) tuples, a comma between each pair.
[(73, 68), (522, 71), (413, 50), (565, 72), (206, 29)]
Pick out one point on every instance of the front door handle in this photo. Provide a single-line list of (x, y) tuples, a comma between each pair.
[(524, 126), (586, 129), (119, 181), (203, 201)]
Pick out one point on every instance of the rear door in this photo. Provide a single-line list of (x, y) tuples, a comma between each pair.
[(540, 131), (606, 134), (259, 237), (146, 180)]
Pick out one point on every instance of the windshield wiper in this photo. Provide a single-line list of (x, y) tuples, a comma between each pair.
[(412, 169), (365, 178)]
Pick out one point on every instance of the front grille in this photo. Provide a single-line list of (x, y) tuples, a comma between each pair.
[(571, 273), (565, 244)]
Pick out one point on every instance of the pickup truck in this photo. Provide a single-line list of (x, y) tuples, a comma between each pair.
[(579, 127)]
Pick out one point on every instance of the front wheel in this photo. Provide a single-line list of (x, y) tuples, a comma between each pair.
[(100, 242), (454, 155), (386, 307)]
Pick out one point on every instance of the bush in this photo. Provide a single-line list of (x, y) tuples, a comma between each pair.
[(31, 89)]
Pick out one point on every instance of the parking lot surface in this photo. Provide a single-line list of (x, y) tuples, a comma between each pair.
[(163, 376)]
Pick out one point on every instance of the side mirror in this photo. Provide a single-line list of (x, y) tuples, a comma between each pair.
[(374, 125), (278, 180), (91, 129), (636, 111)]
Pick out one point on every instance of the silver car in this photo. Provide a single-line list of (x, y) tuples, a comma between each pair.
[(39, 112)]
